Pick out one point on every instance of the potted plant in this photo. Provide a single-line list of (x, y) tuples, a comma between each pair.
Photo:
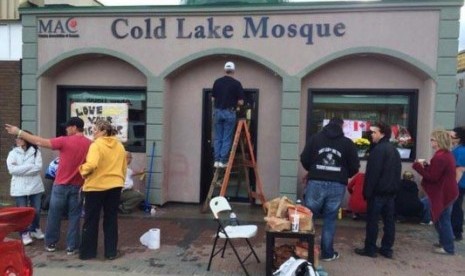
[(362, 145)]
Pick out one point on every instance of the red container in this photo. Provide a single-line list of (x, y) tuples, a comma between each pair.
[(13, 259)]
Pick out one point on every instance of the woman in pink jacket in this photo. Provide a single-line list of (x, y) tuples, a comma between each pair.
[(441, 187)]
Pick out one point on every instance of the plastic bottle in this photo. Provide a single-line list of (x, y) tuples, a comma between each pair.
[(232, 219), (296, 218)]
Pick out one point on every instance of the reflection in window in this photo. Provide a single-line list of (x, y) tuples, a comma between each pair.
[(396, 108)]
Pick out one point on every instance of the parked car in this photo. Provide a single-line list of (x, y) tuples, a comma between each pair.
[(13, 259)]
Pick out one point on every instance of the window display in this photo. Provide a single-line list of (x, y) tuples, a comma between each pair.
[(136, 109), (360, 108)]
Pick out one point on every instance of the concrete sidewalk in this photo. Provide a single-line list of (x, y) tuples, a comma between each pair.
[(187, 237)]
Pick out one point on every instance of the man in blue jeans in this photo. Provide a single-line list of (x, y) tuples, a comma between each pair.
[(330, 159), (382, 183), (227, 95), (66, 189)]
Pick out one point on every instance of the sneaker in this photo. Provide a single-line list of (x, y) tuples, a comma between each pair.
[(426, 223), (216, 164), (70, 251), (222, 165), (441, 251), (37, 234), (51, 247), (26, 238), (334, 257)]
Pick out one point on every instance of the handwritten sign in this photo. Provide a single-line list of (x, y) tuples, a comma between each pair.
[(115, 113)]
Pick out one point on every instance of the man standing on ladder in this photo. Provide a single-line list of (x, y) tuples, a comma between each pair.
[(227, 95)]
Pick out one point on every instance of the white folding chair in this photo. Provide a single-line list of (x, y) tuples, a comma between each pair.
[(218, 205)]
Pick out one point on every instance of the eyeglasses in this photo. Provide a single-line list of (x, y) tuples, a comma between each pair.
[(433, 140)]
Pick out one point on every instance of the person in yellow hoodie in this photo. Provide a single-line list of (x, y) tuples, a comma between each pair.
[(104, 173)]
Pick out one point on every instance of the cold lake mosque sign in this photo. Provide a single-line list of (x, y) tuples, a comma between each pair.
[(156, 28)]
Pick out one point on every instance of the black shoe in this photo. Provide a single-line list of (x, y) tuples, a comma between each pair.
[(362, 252), (458, 238), (111, 258), (83, 257), (385, 254)]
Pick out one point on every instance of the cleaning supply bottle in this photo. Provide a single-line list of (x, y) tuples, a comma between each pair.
[(296, 218), (232, 219)]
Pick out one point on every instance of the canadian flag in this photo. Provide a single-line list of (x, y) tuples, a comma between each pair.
[(361, 125)]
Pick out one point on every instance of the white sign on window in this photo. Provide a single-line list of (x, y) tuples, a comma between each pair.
[(352, 128), (115, 113)]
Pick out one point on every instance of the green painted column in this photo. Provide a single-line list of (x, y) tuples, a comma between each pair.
[(29, 97), (155, 95), (290, 125), (444, 112)]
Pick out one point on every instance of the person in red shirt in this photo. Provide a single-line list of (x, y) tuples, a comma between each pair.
[(357, 204)]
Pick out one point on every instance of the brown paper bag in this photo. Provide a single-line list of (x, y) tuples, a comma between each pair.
[(278, 224)]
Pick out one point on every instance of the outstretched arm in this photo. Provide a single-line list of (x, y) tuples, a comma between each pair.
[(34, 139)]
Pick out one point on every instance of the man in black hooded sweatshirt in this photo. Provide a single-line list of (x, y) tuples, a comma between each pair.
[(330, 159)]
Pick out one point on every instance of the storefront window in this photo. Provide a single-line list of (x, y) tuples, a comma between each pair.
[(360, 108), (135, 99)]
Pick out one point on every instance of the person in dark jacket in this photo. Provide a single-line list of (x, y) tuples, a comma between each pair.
[(458, 141), (382, 181), (409, 204), (441, 187), (330, 159)]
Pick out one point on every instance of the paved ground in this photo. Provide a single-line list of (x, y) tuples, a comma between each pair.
[(186, 240)]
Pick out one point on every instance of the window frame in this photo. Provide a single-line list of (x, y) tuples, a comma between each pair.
[(63, 115), (412, 107)]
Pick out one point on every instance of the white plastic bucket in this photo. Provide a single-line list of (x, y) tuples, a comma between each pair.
[(151, 238)]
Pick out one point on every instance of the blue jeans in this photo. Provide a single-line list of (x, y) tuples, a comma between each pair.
[(225, 121), (324, 199), (33, 201), (64, 197), (383, 206), (426, 218), (444, 228), (457, 215)]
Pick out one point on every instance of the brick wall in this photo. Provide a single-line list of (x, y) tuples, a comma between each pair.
[(10, 112)]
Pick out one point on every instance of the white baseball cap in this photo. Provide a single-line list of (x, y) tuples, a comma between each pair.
[(229, 66)]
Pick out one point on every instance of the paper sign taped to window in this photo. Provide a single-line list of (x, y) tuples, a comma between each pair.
[(353, 129), (115, 113)]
